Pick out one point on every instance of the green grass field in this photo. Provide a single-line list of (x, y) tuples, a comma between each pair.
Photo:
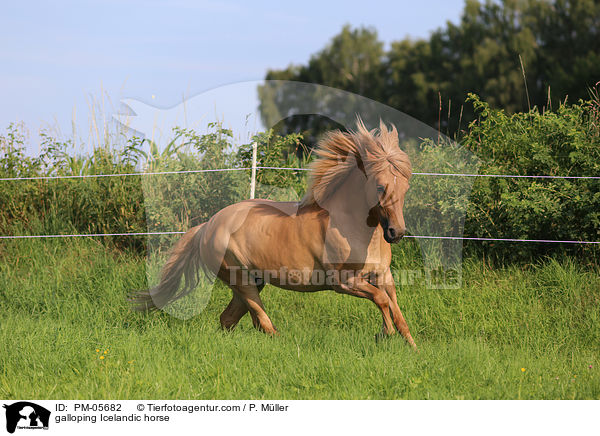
[(529, 332)]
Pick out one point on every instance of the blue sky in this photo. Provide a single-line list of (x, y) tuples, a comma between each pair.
[(57, 56)]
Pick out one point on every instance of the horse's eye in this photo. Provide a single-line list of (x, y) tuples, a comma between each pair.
[(380, 189)]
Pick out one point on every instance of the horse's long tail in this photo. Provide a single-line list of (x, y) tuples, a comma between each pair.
[(185, 261)]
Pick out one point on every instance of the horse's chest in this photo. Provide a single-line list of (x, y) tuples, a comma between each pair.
[(355, 249)]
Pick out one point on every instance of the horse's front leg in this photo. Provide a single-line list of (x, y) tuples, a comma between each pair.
[(399, 321), (359, 287)]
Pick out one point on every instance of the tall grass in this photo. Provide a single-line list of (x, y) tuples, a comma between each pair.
[(507, 333)]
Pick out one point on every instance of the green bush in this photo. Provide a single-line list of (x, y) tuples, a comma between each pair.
[(278, 151), (69, 205), (136, 204), (565, 142), (561, 143)]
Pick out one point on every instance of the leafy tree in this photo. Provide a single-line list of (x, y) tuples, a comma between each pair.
[(514, 54)]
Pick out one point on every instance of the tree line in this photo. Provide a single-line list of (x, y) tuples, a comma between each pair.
[(514, 54)]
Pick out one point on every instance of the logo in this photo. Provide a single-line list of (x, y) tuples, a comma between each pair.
[(26, 415), (435, 224)]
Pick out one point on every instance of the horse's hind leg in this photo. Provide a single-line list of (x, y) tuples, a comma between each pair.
[(250, 295), (233, 312)]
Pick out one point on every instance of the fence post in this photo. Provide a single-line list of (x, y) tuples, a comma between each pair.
[(253, 177)]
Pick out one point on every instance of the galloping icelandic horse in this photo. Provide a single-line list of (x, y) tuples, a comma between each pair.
[(337, 238)]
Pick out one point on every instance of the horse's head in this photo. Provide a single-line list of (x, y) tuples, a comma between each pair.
[(388, 174), (370, 159), (389, 190)]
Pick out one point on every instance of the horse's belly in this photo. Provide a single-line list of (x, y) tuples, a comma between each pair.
[(308, 280)]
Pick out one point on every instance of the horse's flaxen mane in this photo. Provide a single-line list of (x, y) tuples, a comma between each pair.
[(338, 153)]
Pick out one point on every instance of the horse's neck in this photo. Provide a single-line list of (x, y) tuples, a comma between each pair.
[(348, 206), (350, 238)]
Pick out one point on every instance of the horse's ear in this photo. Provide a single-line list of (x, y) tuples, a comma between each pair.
[(394, 133), (5, 406), (388, 135)]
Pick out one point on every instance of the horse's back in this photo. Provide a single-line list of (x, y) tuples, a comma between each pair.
[(264, 234)]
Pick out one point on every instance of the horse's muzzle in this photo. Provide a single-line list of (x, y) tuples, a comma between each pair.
[(392, 234)]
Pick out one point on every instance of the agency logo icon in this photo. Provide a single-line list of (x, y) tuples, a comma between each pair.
[(26, 415), (251, 110)]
